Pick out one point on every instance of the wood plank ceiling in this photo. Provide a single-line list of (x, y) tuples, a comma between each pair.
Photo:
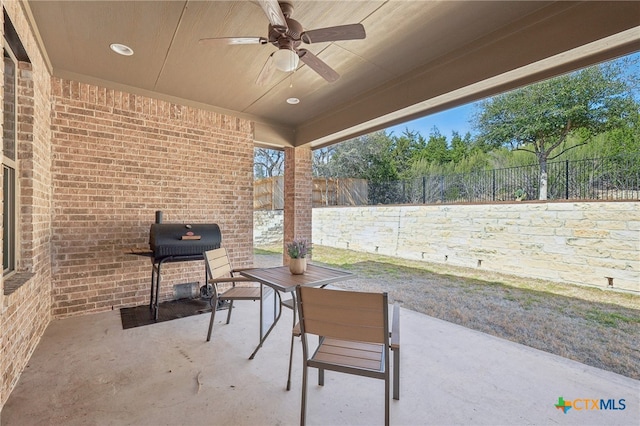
[(418, 57)]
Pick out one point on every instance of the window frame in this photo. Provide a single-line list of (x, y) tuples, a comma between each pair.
[(10, 191)]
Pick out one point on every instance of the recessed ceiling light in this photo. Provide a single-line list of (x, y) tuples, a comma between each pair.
[(121, 49), (293, 101)]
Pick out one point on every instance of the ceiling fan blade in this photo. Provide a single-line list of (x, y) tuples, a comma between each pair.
[(233, 40), (267, 72), (337, 33), (274, 14), (318, 66)]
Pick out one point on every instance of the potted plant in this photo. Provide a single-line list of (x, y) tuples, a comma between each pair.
[(297, 251)]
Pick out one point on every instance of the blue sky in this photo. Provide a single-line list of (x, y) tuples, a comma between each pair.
[(459, 119), (456, 119)]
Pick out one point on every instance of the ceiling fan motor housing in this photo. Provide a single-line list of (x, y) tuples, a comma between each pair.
[(290, 39)]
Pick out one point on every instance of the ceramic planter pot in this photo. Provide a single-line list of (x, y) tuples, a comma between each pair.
[(298, 266)]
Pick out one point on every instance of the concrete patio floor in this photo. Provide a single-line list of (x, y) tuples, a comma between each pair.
[(89, 371)]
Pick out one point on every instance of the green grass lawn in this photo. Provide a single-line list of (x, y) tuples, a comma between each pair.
[(598, 327)]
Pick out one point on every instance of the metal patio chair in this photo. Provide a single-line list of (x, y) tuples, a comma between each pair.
[(354, 337), (220, 272)]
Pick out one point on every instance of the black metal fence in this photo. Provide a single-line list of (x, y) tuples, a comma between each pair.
[(607, 178)]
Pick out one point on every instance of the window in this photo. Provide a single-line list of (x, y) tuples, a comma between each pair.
[(9, 164)]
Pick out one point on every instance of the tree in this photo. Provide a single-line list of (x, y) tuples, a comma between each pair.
[(460, 146), (539, 118), (623, 140), (436, 149), (267, 163), (321, 161), (405, 149), (365, 157)]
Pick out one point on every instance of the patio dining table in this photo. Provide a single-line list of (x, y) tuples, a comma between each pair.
[(281, 280)]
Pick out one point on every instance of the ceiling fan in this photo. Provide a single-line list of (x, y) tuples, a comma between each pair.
[(287, 34)]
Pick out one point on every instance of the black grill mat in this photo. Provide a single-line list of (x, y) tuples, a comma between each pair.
[(138, 316)]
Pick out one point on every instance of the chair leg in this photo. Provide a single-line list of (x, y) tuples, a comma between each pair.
[(290, 362), (386, 400), (214, 304), (229, 313), (320, 370), (303, 405), (396, 373)]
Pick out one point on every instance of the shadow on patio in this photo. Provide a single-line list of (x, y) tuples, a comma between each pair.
[(88, 370)]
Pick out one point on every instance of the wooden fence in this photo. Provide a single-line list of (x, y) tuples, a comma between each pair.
[(268, 193)]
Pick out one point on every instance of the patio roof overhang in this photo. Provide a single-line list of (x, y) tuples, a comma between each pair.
[(418, 58)]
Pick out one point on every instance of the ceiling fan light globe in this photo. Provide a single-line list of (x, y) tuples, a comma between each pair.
[(285, 60)]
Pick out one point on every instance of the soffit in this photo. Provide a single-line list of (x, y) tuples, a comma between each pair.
[(415, 52)]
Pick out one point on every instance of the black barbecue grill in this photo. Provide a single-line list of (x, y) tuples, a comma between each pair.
[(174, 239), (174, 242)]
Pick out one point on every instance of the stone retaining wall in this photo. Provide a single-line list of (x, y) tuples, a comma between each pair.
[(578, 243), (568, 242), (267, 227)]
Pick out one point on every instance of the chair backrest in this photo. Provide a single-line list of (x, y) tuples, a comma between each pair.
[(344, 315), (217, 262)]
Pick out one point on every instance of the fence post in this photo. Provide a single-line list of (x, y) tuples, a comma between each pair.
[(493, 185), (273, 192), (442, 189), (566, 179), (404, 191), (424, 190), (324, 195)]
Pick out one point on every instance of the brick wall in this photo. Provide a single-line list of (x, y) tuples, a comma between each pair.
[(576, 243), (25, 312), (120, 157), (298, 191), (94, 166)]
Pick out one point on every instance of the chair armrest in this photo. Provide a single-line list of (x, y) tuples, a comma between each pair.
[(395, 328), (248, 268), (234, 274), (229, 280)]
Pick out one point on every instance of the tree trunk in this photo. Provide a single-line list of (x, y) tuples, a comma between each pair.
[(543, 178)]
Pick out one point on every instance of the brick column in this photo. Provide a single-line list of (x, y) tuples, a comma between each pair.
[(298, 190)]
